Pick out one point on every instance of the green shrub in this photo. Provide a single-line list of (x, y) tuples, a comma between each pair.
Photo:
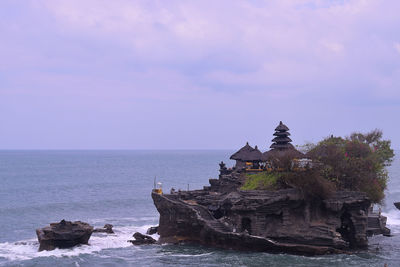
[(353, 163), (309, 182), (356, 163), (260, 181)]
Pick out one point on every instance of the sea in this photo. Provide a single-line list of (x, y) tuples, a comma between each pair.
[(99, 187)]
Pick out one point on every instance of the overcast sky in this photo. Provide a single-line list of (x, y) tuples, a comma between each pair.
[(93, 74)]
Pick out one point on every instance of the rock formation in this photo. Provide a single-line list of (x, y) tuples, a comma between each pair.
[(223, 216), (152, 230), (107, 228), (141, 239), (64, 234)]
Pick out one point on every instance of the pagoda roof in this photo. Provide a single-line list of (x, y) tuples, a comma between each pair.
[(281, 134), (281, 127), (279, 153), (282, 139), (282, 146), (247, 153)]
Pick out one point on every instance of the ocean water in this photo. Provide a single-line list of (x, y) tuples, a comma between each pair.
[(99, 187)]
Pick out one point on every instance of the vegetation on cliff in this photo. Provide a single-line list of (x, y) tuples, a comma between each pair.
[(309, 181), (261, 181), (355, 163)]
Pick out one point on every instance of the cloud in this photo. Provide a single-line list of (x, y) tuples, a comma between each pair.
[(237, 35), (397, 47), (313, 59), (246, 45), (333, 46)]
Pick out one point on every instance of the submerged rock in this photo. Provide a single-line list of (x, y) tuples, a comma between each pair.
[(64, 234), (141, 239), (107, 228), (152, 230)]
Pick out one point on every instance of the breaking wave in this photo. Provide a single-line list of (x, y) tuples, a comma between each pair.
[(28, 249)]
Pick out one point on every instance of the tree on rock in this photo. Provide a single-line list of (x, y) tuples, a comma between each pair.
[(356, 163)]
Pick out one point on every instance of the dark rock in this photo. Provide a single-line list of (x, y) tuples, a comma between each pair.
[(226, 182), (377, 224), (271, 221), (141, 239), (152, 230), (107, 228), (21, 243), (223, 170), (64, 234), (386, 231), (397, 205)]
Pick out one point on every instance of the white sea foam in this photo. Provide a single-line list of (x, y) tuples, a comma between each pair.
[(393, 217), (393, 220), (28, 249)]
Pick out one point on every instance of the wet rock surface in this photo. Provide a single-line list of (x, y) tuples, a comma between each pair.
[(272, 221), (152, 230), (64, 234), (107, 228), (141, 239)]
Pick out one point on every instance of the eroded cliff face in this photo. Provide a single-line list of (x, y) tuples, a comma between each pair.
[(273, 221)]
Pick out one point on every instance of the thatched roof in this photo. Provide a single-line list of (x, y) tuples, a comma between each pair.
[(281, 133), (255, 155), (247, 153), (282, 139), (281, 127), (282, 146), (279, 153), (242, 153)]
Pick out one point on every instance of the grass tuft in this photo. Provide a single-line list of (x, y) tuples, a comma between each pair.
[(260, 181)]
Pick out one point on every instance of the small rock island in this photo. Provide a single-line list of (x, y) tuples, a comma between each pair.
[(64, 234), (277, 201)]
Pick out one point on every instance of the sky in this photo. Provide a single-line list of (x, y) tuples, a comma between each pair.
[(123, 74)]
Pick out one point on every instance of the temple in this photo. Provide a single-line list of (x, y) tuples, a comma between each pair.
[(281, 141), (251, 159), (247, 157), (281, 146), (271, 215)]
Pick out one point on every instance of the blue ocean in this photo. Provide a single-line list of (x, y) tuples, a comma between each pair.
[(99, 187)]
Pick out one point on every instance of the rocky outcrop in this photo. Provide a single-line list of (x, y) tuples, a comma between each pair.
[(141, 239), (397, 205), (272, 221), (107, 228), (227, 182), (64, 234), (152, 230)]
